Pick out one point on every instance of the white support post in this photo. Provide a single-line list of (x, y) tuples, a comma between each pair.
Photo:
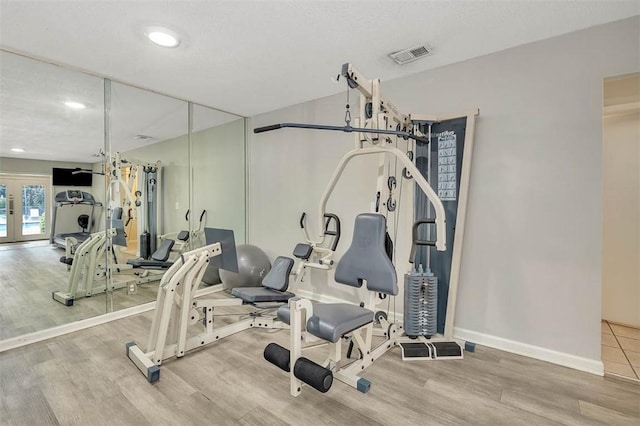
[(296, 306)]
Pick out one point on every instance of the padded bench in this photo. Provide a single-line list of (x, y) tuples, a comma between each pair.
[(274, 284)]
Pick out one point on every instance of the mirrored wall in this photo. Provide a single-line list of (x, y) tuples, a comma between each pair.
[(102, 187)]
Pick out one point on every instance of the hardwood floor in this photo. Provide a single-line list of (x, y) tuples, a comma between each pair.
[(29, 273), (85, 378)]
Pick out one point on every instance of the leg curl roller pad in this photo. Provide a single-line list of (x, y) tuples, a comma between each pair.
[(277, 355), (363, 385), (313, 374)]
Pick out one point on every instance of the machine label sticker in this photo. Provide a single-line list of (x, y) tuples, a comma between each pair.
[(447, 184)]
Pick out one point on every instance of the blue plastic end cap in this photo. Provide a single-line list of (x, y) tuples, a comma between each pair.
[(128, 345), (153, 374), (469, 346), (363, 385)]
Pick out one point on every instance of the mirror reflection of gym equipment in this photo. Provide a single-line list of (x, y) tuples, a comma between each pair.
[(65, 202)]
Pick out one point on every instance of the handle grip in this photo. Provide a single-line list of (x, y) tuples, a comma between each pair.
[(415, 241), (202, 214), (267, 128), (186, 216), (336, 233)]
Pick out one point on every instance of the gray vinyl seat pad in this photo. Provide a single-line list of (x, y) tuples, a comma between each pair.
[(149, 264), (330, 321), (261, 294)]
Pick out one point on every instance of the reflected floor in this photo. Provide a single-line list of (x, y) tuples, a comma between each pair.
[(30, 272)]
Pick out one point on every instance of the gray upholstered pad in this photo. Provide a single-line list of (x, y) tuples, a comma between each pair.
[(366, 259), (162, 253), (330, 321), (278, 277), (260, 294), (149, 264)]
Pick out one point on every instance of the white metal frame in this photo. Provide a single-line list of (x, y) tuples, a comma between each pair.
[(177, 308), (456, 257), (362, 339), (88, 273), (383, 115)]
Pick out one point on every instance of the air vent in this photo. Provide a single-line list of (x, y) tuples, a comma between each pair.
[(409, 55), (142, 137)]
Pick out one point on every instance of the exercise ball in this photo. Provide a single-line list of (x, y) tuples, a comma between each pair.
[(211, 275), (253, 265)]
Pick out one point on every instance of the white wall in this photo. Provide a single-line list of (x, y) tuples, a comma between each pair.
[(174, 180), (621, 219), (531, 267), (217, 161), (217, 166)]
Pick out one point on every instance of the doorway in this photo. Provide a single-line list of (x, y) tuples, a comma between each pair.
[(621, 227), (24, 207)]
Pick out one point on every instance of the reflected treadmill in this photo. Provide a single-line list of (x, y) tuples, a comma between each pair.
[(71, 198)]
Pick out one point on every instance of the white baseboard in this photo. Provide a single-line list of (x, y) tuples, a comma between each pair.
[(588, 365), (38, 336)]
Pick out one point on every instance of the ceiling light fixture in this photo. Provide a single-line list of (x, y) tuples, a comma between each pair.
[(75, 105), (163, 37), (17, 149), (142, 137)]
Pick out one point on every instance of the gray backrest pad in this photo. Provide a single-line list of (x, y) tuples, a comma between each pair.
[(366, 259), (162, 253), (278, 277)]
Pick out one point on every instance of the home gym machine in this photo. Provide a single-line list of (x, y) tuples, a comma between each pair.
[(139, 181), (378, 131), (177, 307)]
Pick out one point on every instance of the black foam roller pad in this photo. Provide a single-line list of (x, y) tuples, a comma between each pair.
[(313, 374), (277, 355)]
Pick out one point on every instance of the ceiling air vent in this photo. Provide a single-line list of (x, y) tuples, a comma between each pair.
[(409, 55)]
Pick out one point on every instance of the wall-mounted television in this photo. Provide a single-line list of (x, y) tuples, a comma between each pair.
[(66, 177)]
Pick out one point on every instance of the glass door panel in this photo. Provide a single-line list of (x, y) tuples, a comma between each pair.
[(33, 218), (23, 208), (6, 225)]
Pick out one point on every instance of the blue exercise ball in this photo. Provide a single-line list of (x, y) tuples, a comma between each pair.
[(253, 265)]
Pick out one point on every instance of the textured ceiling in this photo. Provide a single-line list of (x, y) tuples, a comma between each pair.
[(249, 57)]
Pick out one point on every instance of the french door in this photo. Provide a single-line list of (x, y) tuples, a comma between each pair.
[(24, 208)]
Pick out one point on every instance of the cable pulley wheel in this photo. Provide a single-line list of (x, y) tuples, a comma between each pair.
[(391, 204), (391, 183), (368, 110), (379, 315)]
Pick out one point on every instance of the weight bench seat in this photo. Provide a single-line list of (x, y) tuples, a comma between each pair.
[(274, 284), (142, 263), (330, 321), (260, 294), (158, 258)]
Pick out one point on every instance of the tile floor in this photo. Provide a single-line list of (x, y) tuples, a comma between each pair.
[(621, 350)]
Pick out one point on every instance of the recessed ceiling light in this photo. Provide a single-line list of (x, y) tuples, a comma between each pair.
[(142, 137), (75, 105), (17, 149), (163, 37)]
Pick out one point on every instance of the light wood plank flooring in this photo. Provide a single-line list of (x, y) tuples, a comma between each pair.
[(85, 378), (28, 275), (621, 350)]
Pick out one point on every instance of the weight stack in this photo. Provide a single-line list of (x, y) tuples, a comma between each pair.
[(420, 303)]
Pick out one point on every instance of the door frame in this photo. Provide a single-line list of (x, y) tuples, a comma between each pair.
[(14, 184)]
